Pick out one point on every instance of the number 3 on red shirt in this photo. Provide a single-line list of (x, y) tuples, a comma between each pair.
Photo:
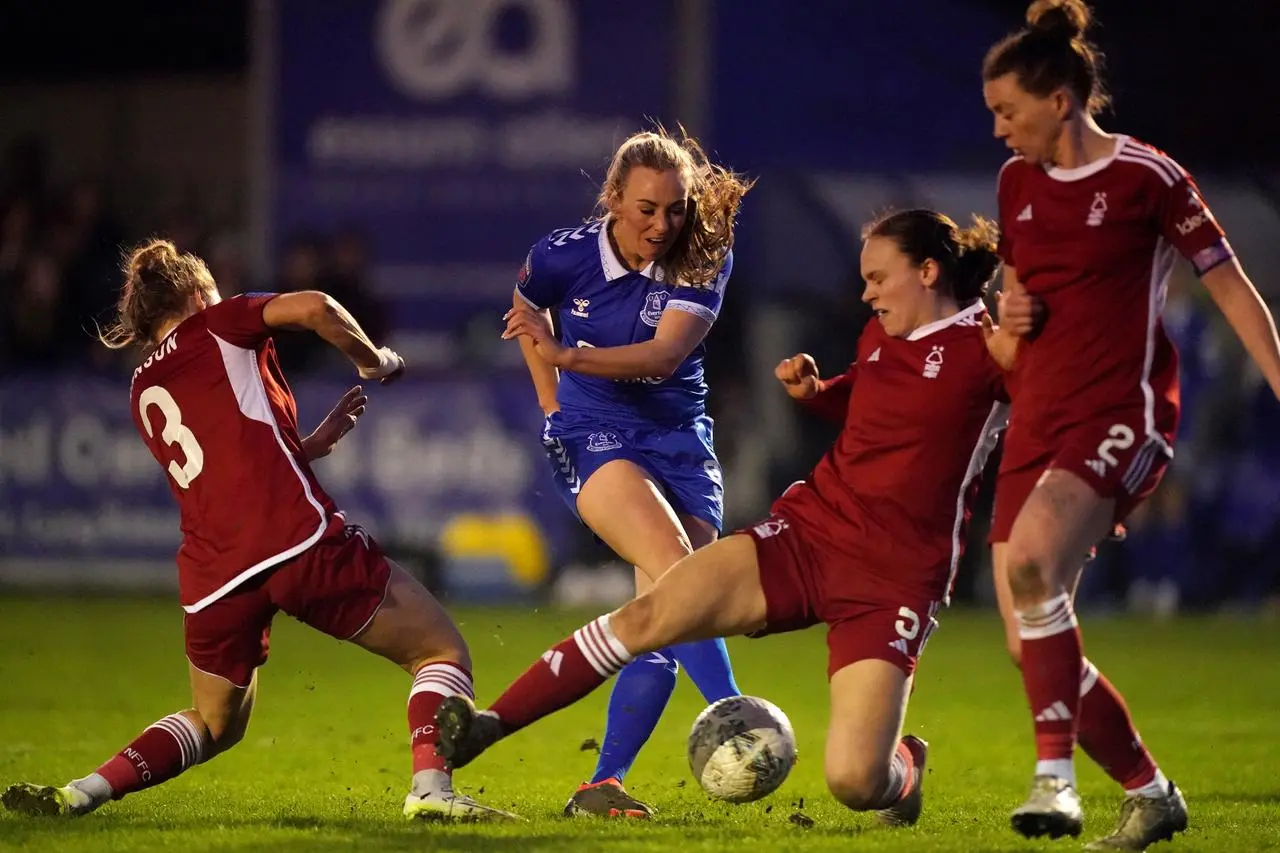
[(174, 432)]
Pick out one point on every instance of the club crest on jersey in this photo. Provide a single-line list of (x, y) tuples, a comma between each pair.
[(599, 442), (932, 363), (769, 528), (580, 307), (654, 303), (1097, 210), (526, 270)]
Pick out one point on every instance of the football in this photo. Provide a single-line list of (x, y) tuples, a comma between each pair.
[(741, 748)]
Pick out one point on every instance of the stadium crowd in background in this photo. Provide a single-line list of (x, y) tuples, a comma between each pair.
[(1202, 541)]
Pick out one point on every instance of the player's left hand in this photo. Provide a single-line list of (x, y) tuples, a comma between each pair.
[(1001, 343), (536, 326), (336, 424)]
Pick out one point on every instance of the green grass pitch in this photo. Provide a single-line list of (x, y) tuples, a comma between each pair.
[(324, 766)]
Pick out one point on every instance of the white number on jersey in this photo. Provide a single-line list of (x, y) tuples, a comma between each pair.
[(174, 432), (564, 234)]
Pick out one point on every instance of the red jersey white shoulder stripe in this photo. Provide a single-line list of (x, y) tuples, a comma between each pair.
[(1163, 165)]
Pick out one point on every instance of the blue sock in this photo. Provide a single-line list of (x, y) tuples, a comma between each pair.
[(639, 697), (707, 663)]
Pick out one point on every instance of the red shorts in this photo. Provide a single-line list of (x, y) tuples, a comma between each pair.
[(1113, 454), (335, 586), (804, 585)]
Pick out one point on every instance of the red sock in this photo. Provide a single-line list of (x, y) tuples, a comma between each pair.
[(163, 750), (1052, 660), (565, 673), (431, 684), (1107, 734)]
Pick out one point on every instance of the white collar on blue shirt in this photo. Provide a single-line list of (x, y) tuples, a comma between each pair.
[(614, 267)]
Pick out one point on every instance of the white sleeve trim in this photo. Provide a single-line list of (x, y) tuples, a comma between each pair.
[(702, 312), (535, 306)]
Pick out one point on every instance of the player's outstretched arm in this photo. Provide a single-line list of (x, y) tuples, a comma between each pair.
[(546, 379), (340, 421), (1248, 315), (324, 315), (827, 398)]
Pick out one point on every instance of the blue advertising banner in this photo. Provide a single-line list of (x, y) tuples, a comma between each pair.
[(835, 86), (455, 132), (455, 464)]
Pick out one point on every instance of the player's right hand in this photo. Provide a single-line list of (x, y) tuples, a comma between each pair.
[(1019, 313), (390, 367), (799, 375)]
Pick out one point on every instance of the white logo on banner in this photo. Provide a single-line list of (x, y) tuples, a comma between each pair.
[(436, 49)]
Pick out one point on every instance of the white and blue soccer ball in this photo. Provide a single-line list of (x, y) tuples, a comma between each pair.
[(741, 749)]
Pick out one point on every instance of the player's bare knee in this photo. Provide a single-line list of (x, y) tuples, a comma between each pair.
[(666, 557), (440, 646), (450, 646), (458, 653), (1027, 580), (635, 623), (856, 785), (223, 731)]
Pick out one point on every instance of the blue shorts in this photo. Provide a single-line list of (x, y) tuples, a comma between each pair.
[(682, 460)]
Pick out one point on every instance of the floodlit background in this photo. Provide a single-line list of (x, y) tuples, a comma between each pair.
[(404, 154)]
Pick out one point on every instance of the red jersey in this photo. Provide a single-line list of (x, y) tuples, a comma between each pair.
[(214, 410), (921, 415), (1097, 244)]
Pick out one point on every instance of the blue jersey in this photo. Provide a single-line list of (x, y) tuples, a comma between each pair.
[(601, 303), (657, 424)]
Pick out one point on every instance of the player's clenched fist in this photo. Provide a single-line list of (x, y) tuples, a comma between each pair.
[(1020, 313), (389, 368), (799, 375)]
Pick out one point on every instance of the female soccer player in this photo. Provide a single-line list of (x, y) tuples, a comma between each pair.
[(259, 533), (1092, 223), (627, 433), (861, 546)]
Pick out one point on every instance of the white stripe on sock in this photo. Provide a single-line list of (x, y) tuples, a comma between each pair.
[(185, 743), (441, 686), (588, 649), (1047, 619), (450, 677), (615, 645), (597, 634), (443, 679), (176, 733), (196, 739), (188, 737), (601, 648)]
